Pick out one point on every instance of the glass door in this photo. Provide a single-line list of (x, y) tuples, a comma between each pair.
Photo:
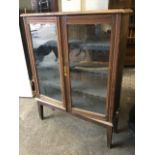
[(88, 53), (48, 59)]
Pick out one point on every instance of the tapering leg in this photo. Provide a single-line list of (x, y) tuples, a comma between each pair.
[(109, 136), (116, 122), (53, 108), (40, 111)]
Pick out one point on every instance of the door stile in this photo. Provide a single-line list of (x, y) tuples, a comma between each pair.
[(32, 59), (114, 64), (61, 66), (66, 63), (109, 100)]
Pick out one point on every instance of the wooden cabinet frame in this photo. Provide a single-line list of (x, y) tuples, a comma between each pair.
[(118, 19)]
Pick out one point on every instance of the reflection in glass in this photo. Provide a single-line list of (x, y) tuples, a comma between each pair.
[(89, 47), (46, 56)]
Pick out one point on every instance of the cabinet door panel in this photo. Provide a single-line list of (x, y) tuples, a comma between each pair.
[(45, 49), (89, 48)]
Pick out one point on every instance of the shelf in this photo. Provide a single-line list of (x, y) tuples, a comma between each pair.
[(90, 45), (98, 46), (84, 95), (88, 89), (51, 89), (101, 70), (88, 79), (89, 103), (91, 67), (54, 84), (77, 87)]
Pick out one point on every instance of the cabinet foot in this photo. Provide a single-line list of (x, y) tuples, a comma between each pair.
[(109, 136), (53, 108), (40, 111)]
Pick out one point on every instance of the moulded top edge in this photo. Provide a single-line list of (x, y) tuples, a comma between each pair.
[(110, 11)]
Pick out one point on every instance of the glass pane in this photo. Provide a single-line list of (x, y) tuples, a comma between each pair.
[(44, 39), (89, 47)]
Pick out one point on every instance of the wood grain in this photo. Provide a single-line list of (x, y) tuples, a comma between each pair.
[(111, 11)]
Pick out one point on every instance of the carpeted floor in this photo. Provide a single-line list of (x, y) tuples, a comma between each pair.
[(63, 134)]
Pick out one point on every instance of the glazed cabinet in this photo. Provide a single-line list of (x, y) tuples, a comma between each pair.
[(76, 61)]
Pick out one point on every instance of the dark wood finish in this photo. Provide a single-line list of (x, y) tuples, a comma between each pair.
[(100, 12), (51, 102), (54, 5), (119, 67), (130, 53), (116, 119), (113, 71), (40, 110), (66, 63), (119, 4), (92, 119), (109, 136), (63, 88), (118, 19)]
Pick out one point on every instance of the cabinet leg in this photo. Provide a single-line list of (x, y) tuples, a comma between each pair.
[(53, 108), (109, 136), (116, 122), (40, 111)]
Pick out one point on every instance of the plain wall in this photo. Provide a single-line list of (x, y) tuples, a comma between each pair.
[(25, 4), (24, 82)]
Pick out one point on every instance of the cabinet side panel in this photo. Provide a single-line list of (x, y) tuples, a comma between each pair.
[(120, 65), (121, 29), (113, 71)]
